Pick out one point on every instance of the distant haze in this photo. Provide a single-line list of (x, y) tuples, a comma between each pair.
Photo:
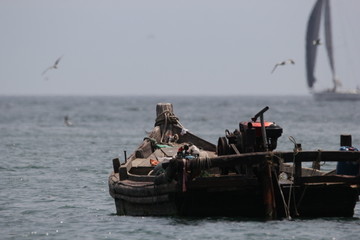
[(164, 47)]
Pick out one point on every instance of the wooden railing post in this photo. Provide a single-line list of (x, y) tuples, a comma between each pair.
[(345, 140), (116, 165), (297, 172), (268, 191)]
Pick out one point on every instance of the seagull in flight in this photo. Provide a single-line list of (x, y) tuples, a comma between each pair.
[(283, 63), (316, 42), (55, 66)]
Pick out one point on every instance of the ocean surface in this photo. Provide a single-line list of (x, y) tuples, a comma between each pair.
[(53, 178)]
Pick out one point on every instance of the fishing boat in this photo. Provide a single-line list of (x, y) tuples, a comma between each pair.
[(176, 173), (322, 12)]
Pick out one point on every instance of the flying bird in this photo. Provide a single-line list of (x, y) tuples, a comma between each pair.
[(316, 42), (55, 66), (283, 63)]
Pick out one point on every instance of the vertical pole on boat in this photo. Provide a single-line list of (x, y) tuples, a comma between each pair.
[(116, 165), (268, 187), (163, 110), (268, 192), (345, 140), (263, 132), (163, 107)]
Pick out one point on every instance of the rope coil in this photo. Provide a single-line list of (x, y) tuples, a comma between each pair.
[(167, 117)]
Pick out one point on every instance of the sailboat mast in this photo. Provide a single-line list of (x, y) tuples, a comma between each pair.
[(328, 40)]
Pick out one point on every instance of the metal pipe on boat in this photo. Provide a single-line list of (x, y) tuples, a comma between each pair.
[(125, 156), (259, 113), (263, 132), (268, 191), (268, 187)]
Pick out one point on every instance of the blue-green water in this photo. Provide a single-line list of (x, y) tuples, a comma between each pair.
[(53, 178)]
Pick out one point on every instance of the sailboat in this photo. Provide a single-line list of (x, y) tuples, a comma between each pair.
[(321, 12)]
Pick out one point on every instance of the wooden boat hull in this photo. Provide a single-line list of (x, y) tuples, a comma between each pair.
[(321, 200), (230, 179), (220, 196), (231, 197)]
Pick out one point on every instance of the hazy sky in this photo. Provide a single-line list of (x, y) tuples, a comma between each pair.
[(148, 47)]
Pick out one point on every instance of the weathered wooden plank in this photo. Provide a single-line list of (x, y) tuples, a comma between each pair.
[(298, 170), (155, 133), (306, 156), (116, 165), (144, 200), (222, 183), (139, 189), (232, 160), (197, 141), (327, 156), (124, 169), (329, 179)]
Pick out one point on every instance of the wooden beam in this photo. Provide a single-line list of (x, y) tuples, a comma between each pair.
[(289, 157), (116, 165), (324, 156), (330, 179)]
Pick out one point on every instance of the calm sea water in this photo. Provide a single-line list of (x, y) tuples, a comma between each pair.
[(53, 178)]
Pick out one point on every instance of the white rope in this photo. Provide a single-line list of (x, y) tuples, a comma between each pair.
[(286, 207)]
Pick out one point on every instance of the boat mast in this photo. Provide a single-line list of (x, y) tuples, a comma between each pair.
[(328, 40)]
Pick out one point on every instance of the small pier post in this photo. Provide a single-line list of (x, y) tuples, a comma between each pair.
[(163, 107), (268, 190), (345, 140)]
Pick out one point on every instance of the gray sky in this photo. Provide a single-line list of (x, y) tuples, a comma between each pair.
[(142, 47)]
